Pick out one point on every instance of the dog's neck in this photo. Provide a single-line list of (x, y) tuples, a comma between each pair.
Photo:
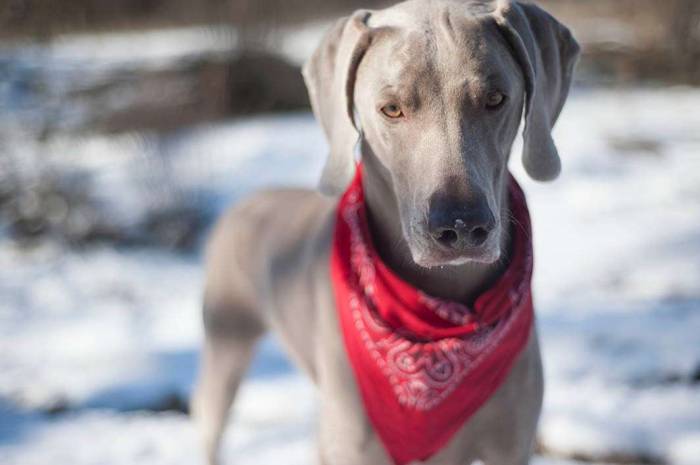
[(462, 283)]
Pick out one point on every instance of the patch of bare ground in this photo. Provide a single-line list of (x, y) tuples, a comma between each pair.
[(611, 458)]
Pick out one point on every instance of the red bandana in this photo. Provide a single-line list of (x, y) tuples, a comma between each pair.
[(424, 365)]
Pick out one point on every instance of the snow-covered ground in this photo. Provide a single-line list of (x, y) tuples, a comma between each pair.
[(98, 344)]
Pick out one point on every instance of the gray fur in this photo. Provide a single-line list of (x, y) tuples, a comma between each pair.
[(267, 261)]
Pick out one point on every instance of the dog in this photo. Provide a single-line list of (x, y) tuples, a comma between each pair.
[(431, 93)]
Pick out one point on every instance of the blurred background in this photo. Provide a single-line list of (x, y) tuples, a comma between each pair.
[(127, 126)]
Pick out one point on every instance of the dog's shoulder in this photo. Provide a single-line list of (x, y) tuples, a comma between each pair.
[(273, 227), (271, 252)]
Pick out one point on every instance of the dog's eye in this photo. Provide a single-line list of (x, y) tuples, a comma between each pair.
[(495, 100), (392, 111)]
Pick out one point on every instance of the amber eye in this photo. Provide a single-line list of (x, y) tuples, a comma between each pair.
[(392, 111), (495, 100)]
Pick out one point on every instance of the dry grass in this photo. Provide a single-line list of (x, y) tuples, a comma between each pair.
[(625, 40), (628, 40)]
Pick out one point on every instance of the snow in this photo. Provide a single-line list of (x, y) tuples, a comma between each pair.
[(94, 341), (686, 449), (618, 275)]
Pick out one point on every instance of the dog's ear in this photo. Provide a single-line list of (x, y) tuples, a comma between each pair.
[(330, 79), (547, 54)]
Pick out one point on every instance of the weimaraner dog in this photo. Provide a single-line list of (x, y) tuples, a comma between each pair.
[(431, 93)]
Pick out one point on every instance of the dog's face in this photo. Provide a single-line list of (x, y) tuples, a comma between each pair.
[(437, 90), (439, 106)]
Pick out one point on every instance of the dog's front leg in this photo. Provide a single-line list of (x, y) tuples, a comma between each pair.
[(230, 342), (346, 436)]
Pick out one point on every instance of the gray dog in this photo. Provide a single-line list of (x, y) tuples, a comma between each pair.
[(434, 90)]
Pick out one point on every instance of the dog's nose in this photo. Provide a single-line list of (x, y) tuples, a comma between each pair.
[(460, 225)]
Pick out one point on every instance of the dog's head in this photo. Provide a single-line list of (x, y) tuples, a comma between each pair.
[(435, 91)]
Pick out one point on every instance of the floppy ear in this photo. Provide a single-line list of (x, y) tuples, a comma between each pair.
[(330, 80), (547, 53)]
